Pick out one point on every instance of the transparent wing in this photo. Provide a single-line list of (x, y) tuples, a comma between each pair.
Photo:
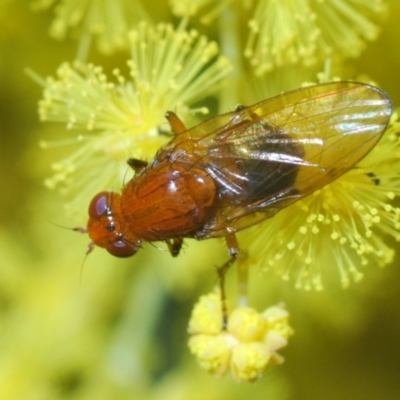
[(266, 156)]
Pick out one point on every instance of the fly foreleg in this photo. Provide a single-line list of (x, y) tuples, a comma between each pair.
[(136, 164), (175, 123)]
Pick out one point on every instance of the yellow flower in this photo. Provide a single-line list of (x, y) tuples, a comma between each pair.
[(249, 344), (169, 69), (118, 334), (109, 22), (291, 31), (210, 9), (342, 225)]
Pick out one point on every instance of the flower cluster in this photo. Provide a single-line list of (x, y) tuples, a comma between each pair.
[(343, 224), (109, 22), (290, 32), (115, 113), (249, 344), (286, 32), (123, 118)]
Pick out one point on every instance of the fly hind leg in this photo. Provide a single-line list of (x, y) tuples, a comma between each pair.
[(174, 246), (234, 251)]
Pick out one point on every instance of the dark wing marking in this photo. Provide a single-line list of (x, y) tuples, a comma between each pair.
[(266, 156)]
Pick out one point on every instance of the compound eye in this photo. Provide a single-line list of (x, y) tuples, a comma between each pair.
[(121, 249), (99, 204)]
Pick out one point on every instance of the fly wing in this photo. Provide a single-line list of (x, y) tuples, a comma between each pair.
[(265, 157)]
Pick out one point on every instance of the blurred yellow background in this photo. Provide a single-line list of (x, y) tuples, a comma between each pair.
[(119, 330)]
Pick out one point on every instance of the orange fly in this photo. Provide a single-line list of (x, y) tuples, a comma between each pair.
[(240, 168)]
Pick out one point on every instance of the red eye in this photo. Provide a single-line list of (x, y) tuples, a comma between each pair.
[(99, 205), (121, 249)]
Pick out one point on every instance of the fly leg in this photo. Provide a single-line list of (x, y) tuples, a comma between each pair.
[(175, 123), (174, 246), (136, 164), (233, 249)]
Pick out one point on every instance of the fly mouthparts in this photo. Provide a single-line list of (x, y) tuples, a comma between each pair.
[(91, 245), (80, 229), (90, 248)]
